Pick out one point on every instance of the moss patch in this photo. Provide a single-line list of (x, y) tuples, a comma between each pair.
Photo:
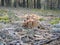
[(7, 16), (41, 19), (55, 21)]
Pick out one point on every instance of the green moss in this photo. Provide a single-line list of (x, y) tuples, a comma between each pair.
[(41, 19), (7, 16), (57, 18), (4, 18), (55, 21)]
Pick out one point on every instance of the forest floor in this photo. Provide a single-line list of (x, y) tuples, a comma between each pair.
[(13, 33), (23, 11)]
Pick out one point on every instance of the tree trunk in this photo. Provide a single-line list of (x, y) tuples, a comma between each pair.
[(6, 2), (2, 2), (38, 4), (34, 3), (51, 4), (23, 3), (59, 4), (19, 2), (27, 3), (47, 4), (15, 3), (9, 2)]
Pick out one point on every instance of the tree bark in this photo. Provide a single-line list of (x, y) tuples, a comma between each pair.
[(23, 3), (2, 2), (38, 4), (15, 3), (27, 3), (19, 2), (58, 4), (34, 3)]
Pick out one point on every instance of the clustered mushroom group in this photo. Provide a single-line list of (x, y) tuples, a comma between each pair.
[(31, 21)]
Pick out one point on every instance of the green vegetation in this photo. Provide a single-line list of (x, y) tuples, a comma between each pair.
[(47, 12), (7, 16), (55, 21), (4, 19), (41, 19)]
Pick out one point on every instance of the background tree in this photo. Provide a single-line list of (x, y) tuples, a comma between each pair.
[(27, 3), (15, 3), (19, 2), (2, 2), (9, 2), (43, 4), (34, 3), (38, 4), (24, 3), (58, 4)]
